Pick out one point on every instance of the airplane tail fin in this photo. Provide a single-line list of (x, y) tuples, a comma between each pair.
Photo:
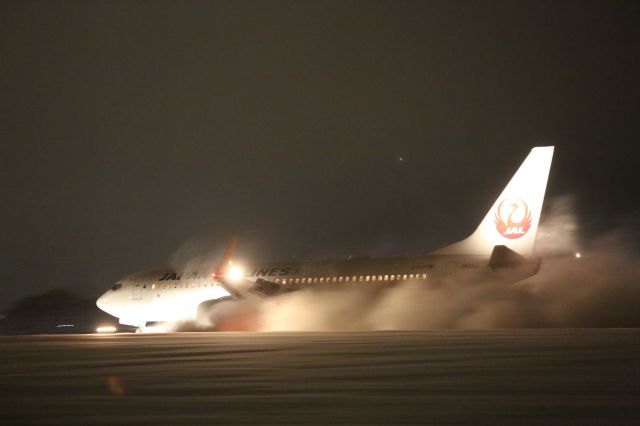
[(513, 219)]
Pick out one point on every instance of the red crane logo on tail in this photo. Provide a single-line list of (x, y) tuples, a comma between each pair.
[(513, 218)]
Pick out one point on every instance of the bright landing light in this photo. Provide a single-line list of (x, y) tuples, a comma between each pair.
[(235, 273), (106, 329), (578, 255)]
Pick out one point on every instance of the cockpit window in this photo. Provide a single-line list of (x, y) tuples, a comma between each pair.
[(117, 286)]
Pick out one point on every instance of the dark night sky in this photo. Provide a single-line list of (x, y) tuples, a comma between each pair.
[(130, 129)]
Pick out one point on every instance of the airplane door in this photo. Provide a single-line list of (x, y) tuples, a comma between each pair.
[(137, 291)]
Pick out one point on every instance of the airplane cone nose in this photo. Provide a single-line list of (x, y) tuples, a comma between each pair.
[(102, 301)]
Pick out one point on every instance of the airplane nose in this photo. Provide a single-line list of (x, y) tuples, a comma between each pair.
[(102, 301)]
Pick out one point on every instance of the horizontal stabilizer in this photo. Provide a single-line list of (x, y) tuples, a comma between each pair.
[(504, 257)]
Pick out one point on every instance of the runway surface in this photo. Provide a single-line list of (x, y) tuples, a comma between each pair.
[(578, 377)]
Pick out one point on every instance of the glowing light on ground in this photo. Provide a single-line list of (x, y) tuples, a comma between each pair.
[(116, 385)]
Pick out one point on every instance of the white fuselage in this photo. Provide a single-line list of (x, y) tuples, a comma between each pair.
[(174, 295), (499, 249)]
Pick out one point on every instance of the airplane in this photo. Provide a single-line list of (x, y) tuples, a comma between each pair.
[(501, 248)]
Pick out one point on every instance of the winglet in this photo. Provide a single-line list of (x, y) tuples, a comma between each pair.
[(227, 257), (234, 286)]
